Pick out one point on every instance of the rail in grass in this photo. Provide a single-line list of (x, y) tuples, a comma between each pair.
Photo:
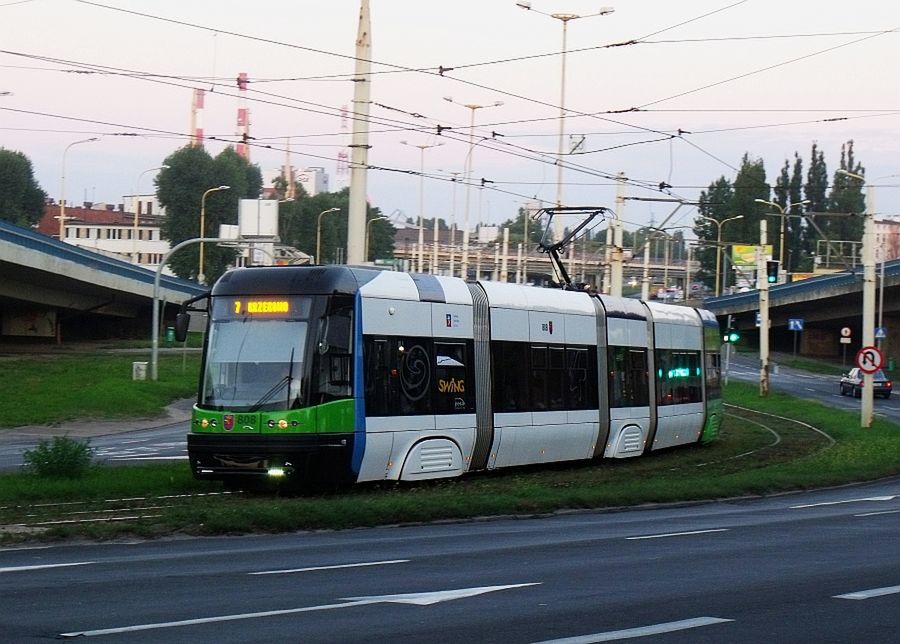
[(334, 372)]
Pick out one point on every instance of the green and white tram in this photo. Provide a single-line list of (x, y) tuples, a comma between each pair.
[(354, 374)]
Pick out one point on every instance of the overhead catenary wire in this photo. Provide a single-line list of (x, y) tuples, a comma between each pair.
[(574, 114)]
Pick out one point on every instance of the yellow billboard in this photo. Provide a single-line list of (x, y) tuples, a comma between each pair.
[(746, 255)]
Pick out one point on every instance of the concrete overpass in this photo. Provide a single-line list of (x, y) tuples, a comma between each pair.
[(57, 291), (826, 304)]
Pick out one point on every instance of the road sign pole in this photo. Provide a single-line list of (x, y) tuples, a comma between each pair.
[(795, 344), (763, 285)]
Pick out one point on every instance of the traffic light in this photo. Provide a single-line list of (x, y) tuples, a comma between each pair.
[(731, 336), (772, 271)]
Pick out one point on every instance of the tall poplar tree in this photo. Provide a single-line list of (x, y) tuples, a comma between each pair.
[(846, 200)]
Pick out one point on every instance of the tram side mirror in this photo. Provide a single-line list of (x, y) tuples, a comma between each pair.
[(182, 322)]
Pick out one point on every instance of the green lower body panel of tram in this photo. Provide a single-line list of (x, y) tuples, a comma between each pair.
[(299, 443), (715, 411)]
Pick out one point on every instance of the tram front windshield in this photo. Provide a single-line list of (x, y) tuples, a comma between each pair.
[(255, 355)]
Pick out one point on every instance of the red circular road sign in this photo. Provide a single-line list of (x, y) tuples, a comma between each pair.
[(846, 331), (869, 359)]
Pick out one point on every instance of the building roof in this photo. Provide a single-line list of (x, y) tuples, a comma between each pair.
[(108, 216)]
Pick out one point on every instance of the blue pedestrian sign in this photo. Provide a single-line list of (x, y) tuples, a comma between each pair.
[(795, 324), (880, 333)]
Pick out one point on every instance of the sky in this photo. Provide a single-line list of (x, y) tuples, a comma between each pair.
[(665, 92)]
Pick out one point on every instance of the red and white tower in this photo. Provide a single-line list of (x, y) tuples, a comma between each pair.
[(197, 118), (243, 118)]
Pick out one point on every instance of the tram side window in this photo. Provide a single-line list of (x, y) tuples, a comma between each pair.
[(540, 379), (628, 383), (333, 365), (713, 374), (379, 393), (678, 377), (454, 379), (581, 372), (398, 374), (509, 380)]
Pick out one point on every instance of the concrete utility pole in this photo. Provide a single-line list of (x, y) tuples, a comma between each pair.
[(868, 312), (359, 156), (616, 256), (763, 285)]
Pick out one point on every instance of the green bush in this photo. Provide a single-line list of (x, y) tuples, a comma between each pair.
[(61, 457)]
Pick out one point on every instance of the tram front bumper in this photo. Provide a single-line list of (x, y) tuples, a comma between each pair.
[(220, 456)]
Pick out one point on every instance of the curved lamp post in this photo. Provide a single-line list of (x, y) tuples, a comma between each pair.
[(201, 277), (468, 175), (719, 224), (319, 233), (62, 189), (420, 254), (368, 225)]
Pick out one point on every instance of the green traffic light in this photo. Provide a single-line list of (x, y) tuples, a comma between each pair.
[(734, 336)]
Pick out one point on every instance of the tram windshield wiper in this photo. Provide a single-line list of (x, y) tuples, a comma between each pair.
[(266, 397), (286, 380)]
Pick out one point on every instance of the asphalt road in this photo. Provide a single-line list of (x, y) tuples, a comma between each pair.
[(810, 386), (820, 566), (166, 441)]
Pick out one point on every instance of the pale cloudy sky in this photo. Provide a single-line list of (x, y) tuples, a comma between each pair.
[(760, 76)]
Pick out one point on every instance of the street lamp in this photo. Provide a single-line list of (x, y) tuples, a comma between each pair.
[(368, 224), (319, 233), (465, 253), (419, 256), (783, 212), (719, 225), (868, 312), (62, 190), (564, 18), (136, 204), (200, 276)]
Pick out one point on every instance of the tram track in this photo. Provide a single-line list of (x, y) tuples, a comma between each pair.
[(39, 517)]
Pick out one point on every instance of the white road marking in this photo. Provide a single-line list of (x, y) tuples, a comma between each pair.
[(873, 514), (676, 534), (868, 499), (148, 458), (45, 566), (868, 594), (334, 567), (642, 631), (810, 389), (418, 599)]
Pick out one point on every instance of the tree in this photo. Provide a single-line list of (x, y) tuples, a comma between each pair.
[(180, 187), (715, 203), (846, 198), (517, 229), (299, 227), (21, 198)]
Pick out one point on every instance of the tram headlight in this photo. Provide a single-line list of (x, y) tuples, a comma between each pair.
[(282, 424)]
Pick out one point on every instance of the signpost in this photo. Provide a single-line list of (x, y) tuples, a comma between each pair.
[(845, 340), (795, 325), (869, 359)]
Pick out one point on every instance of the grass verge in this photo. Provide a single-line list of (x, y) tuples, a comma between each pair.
[(50, 389), (162, 500)]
